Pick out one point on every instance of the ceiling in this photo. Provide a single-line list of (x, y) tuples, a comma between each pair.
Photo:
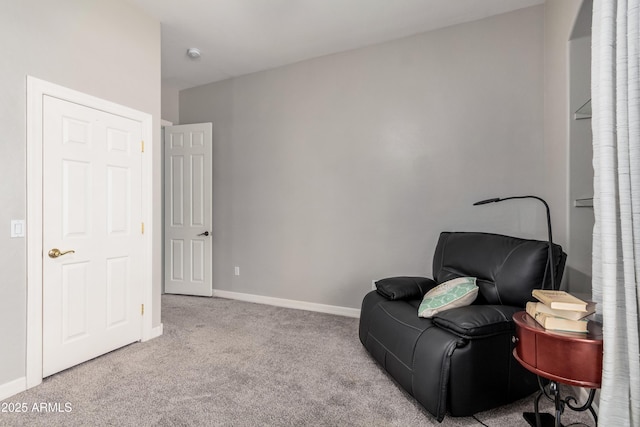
[(238, 37)]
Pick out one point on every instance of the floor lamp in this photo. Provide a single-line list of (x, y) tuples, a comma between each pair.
[(551, 266)]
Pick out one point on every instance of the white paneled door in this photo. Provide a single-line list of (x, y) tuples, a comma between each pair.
[(92, 233), (188, 196)]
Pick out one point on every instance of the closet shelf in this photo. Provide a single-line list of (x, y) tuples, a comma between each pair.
[(583, 203), (584, 112)]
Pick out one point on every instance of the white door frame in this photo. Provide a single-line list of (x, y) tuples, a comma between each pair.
[(36, 90)]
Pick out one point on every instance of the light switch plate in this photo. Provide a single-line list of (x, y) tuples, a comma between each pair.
[(17, 228)]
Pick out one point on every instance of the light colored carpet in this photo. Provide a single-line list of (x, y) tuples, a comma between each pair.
[(231, 363)]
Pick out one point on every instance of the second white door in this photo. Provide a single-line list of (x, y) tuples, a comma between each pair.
[(188, 196)]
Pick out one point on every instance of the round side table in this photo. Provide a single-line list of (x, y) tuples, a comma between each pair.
[(561, 357)]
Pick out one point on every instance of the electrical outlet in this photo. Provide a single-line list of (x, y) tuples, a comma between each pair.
[(236, 271)]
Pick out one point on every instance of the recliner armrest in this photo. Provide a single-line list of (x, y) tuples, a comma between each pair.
[(477, 321), (404, 287)]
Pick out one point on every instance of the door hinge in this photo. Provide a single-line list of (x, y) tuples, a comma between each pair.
[(142, 309), (142, 227), (142, 146)]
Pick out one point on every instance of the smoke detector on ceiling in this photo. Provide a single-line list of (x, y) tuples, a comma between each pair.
[(193, 53)]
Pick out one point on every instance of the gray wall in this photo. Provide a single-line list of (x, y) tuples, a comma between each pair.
[(106, 48), (565, 19), (581, 220), (342, 169), (170, 103), (560, 18)]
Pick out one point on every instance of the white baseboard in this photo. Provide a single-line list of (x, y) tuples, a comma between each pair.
[(153, 333), (13, 387), (287, 303), (157, 331)]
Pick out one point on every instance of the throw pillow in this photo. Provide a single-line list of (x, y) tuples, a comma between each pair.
[(451, 294)]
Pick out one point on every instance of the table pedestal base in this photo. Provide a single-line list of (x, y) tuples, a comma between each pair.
[(536, 419)]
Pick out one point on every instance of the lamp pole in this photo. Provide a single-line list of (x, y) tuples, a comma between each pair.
[(550, 255)]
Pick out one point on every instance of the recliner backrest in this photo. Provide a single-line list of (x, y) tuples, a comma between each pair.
[(507, 268)]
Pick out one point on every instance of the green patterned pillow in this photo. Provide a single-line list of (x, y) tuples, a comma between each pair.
[(451, 294)]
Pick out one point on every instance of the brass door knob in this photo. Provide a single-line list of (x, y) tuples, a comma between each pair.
[(55, 253)]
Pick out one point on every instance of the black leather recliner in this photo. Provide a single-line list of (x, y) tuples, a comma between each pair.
[(461, 359)]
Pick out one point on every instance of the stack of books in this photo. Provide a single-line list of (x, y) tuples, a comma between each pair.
[(560, 311)]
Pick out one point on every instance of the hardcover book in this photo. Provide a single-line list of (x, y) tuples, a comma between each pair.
[(559, 300), (556, 323), (565, 314)]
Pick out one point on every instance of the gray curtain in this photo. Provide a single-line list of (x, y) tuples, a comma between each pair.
[(616, 238)]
